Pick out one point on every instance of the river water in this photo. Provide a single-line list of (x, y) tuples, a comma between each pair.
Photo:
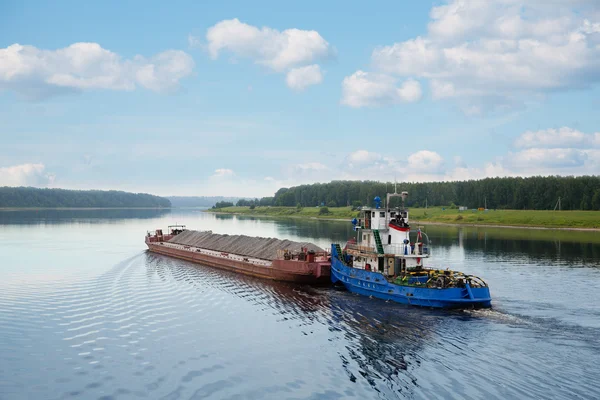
[(87, 313)]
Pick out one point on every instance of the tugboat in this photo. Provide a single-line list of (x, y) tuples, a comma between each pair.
[(384, 262)]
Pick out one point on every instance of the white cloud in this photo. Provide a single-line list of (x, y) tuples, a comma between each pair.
[(35, 73), (410, 91), (223, 173), (368, 161), (545, 152), (499, 52), (267, 46), (547, 158), (420, 166), (590, 28), (489, 170), (441, 90), (314, 166), (364, 89), (405, 165), (25, 175), (425, 161), (528, 159), (564, 137), (559, 151), (163, 72), (292, 51), (300, 78), (363, 156)]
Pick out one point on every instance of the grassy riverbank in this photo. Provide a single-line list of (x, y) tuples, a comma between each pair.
[(310, 212), (525, 218)]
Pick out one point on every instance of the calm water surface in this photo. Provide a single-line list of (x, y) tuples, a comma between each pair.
[(87, 313)]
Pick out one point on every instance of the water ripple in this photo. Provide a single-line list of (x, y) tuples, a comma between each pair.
[(153, 326)]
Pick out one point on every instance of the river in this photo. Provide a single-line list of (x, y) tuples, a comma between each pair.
[(87, 313)]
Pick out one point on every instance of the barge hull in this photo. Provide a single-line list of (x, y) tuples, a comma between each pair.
[(282, 270)]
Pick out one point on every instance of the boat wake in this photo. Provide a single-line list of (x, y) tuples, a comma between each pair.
[(158, 327), (498, 315)]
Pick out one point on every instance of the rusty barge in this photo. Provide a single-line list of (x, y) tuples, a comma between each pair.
[(268, 258)]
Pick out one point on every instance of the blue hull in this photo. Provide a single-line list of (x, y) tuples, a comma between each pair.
[(370, 283)]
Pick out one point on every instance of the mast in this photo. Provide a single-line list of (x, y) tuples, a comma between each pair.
[(403, 195)]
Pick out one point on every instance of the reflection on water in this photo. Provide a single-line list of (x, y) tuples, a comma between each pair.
[(65, 216), (225, 217), (86, 312), (541, 243)]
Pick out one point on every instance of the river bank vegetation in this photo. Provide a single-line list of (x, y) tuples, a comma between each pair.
[(527, 218), (343, 213), (199, 201), (28, 197), (533, 193)]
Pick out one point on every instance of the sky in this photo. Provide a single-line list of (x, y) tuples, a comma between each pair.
[(240, 98)]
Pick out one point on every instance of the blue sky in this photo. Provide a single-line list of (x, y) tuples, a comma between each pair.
[(234, 98)]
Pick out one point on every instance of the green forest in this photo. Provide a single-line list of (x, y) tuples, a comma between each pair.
[(199, 201), (33, 197), (534, 193)]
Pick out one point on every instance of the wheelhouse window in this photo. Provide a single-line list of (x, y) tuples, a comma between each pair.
[(382, 214), (373, 213)]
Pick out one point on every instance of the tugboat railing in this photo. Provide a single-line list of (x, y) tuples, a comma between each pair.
[(396, 249), (362, 249), (405, 249)]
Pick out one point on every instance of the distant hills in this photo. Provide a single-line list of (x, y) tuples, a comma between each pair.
[(59, 198), (199, 201)]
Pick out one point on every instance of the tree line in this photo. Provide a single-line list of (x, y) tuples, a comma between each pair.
[(34, 197), (533, 193), (199, 201), (264, 202)]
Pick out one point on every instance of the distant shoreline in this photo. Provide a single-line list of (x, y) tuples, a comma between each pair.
[(344, 217), (81, 208), (276, 213), (557, 228)]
